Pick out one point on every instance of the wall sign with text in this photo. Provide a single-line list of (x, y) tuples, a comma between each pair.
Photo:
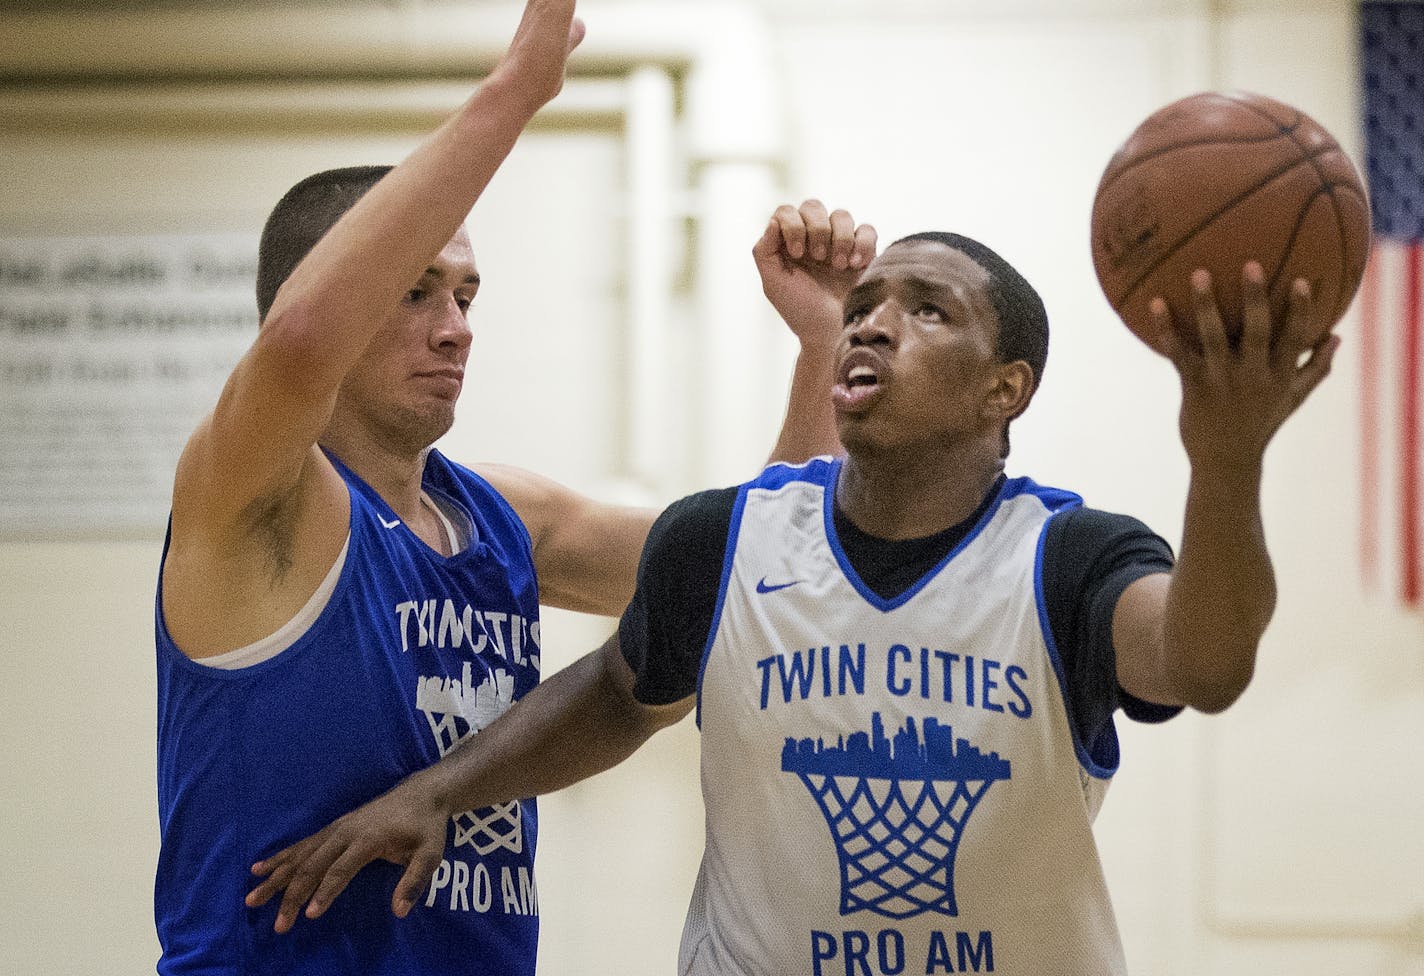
[(111, 350)]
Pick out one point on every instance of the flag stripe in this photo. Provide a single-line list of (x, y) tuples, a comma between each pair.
[(1409, 421), (1370, 418)]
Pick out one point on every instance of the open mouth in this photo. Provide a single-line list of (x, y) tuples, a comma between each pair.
[(859, 382), (861, 376)]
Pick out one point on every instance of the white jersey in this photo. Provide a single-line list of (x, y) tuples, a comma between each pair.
[(892, 786)]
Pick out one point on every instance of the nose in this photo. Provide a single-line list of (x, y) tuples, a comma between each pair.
[(452, 330), (876, 326)]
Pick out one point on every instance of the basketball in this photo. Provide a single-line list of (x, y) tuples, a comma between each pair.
[(1218, 179)]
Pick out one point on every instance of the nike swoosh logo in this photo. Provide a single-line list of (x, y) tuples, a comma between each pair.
[(764, 587), (389, 525)]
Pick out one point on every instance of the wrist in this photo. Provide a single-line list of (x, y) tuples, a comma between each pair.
[(1225, 460), (1225, 484), (504, 93), (816, 343), (435, 789)]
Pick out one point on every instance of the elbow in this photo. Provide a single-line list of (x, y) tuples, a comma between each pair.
[(1215, 700), (1214, 692), (292, 342)]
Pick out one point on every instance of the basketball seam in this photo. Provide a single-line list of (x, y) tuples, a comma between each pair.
[(1163, 150), (1186, 237), (1273, 279), (1326, 188)]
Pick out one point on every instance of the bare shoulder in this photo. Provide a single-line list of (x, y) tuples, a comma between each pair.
[(537, 500), (585, 550), (229, 582)]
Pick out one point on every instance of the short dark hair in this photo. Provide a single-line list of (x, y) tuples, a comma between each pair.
[(304, 214), (1023, 321)]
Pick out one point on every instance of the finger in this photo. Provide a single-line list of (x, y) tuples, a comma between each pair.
[(1162, 335), (304, 882), (263, 893), (337, 877), (577, 30), (277, 871), (1299, 333), (842, 239), (866, 241), (1316, 368), (1216, 348), (792, 230), (416, 877), (1255, 316), (818, 229), (768, 246)]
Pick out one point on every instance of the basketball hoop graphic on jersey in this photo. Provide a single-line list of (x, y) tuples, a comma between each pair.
[(457, 710), (896, 810)]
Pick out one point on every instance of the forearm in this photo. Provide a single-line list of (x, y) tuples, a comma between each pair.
[(580, 722), (809, 428), (1223, 589), (360, 268), (809, 260)]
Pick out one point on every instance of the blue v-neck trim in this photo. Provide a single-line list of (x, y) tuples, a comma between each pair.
[(1007, 490)]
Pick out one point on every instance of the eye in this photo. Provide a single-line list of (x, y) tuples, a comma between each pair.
[(415, 295), (855, 316), (463, 303), (931, 313)]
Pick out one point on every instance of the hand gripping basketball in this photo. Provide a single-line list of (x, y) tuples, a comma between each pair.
[(1236, 395), (1214, 181)]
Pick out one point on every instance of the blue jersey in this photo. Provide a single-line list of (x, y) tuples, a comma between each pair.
[(413, 652)]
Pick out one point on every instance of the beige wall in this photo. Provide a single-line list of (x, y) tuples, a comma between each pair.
[(1279, 838)]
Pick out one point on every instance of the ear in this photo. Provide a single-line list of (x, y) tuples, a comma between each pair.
[(1011, 391)]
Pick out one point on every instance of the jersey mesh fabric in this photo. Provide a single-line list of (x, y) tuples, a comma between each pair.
[(891, 784), (413, 652)]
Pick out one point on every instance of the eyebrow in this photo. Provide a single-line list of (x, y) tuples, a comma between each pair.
[(915, 282), (434, 272)]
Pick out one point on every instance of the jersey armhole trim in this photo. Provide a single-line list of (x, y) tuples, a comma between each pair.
[(1085, 760), (290, 632), (734, 529)]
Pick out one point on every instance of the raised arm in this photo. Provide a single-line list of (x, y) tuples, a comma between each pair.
[(583, 720), (808, 260), (1190, 637), (586, 552), (258, 445)]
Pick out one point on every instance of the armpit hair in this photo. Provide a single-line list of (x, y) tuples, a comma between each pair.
[(271, 520)]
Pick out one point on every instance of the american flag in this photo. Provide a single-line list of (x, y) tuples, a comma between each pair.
[(1391, 317)]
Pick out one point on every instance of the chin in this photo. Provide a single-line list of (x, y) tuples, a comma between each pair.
[(856, 434), (419, 429)]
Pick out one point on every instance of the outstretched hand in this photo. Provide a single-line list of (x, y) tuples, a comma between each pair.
[(1235, 397), (808, 260), (535, 61), (405, 826)]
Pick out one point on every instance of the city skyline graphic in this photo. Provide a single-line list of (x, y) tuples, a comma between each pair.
[(448, 705), (896, 808)]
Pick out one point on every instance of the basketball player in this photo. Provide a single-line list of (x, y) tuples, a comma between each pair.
[(339, 603), (905, 664)]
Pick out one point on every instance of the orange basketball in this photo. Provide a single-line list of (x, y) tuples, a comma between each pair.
[(1218, 179)]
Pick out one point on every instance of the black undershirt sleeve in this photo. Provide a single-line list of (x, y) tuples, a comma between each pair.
[(667, 623), (1089, 558)]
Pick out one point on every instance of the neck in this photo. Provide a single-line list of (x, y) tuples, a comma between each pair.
[(394, 472), (912, 496)]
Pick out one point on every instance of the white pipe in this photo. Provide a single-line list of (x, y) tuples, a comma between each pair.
[(203, 107), (651, 123)]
